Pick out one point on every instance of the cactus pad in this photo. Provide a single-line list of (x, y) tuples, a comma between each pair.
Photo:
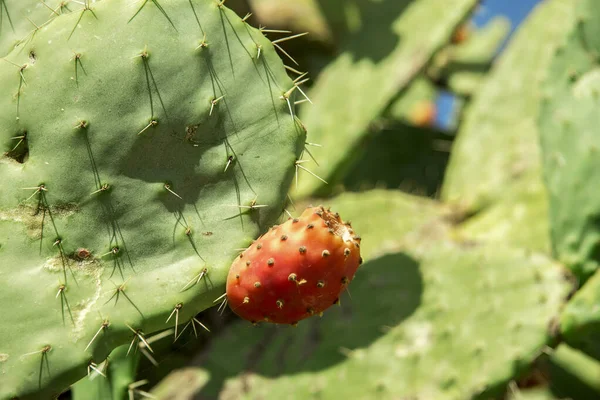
[(140, 139), (580, 321), (380, 56), (568, 122), (425, 318), (498, 143), (463, 66), (21, 19)]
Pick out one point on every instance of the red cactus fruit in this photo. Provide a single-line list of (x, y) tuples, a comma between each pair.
[(295, 270), (423, 114), (462, 33)]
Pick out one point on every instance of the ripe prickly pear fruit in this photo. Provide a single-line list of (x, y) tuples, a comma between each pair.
[(295, 270), (424, 114), (462, 34)]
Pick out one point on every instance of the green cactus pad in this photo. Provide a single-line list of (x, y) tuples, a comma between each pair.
[(145, 142), (464, 66), (181, 384), (532, 394), (408, 107), (580, 321), (425, 318), (20, 20), (497, 145), (568, 122), (109, 380), (380, 56), (297, 15), (404, 157), (519, 219), (573, 374)]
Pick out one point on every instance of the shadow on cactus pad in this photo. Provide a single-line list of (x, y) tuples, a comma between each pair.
[(386, 291), (362, 21)]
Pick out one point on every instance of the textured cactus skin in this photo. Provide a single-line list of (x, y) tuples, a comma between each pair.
[(580, 320), (519, 219), (120, 372), (412, 105), (568, 122), (371, 75), (410, 328), (532, 394), (298, 16), (296, 270), (181, 384), (88, 123), (574, 372), (463, 66), (494, 170), (498, 144), (19, 18)]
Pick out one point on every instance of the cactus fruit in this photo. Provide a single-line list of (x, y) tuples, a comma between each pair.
[(296, 270), (415, 105), (426, 318), (423, 114), (462, 33), (136, 139)]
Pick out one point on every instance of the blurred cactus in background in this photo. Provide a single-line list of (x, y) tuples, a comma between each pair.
[(147, 144)]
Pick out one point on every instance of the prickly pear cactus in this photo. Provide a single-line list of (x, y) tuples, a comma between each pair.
[(568, 122), (409, 327), (20, 19), (297, 15), (373, 67), (498, 143), (416, 104), (144, 143), (111, 379), (540, 393), (573, 372), (580, 321), (463, 66), (519, 219), (295, 271), (495, 169)]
